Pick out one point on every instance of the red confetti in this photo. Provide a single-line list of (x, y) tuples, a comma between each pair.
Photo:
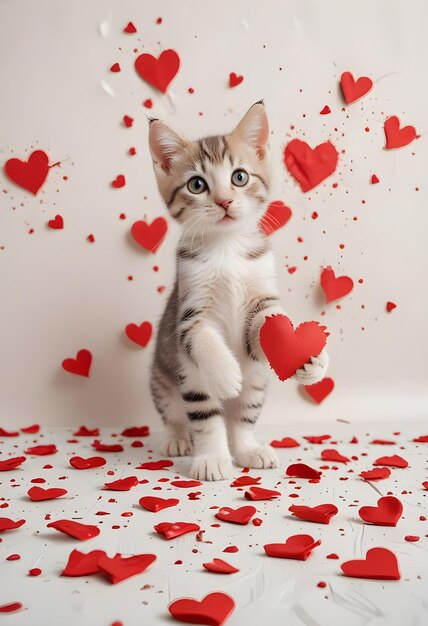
[(8, 524), (392, 461), (38, 493), (57, 223), (241, 515), (235, 80), (42, 450), (148, 103), (31, 430), (411, 538), (130, 28), (81, 464), (285, 442), (120, 568), (151, 503), (128, 121), (11, 607), (390, 306), (301, 470), (136, 431), (220, 567), (296, 547), (119, 181), (11, 464), (244, 481), (319, 391), (325, 110), (379, 473), (115, 68), (75, 529), (186, 484), (374, 179), (86, 432), (139, 334), (379, 563), (123, 484), (334, 455), (156, 465), (171, 530), (214, 608), (80, 564), (259, 493), (321, 514), (335, 288), (105, 447)]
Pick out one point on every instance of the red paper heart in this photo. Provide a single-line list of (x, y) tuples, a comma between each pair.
[(220, 567), (335, 288), (8, 433), (120, 568), (42, 450), (387, 512), (214, 609), (397, 137), (301, 470), (319, 391), (158, 72), (285, 442), (122, 484), (321, 514), (8, 524), (421, 439), (310, 166), (379, 563), (317, 439), (136, 431), (10, 607), (276, 216), (286, 349), (34, 428), (80, 365), (11, 464), (235, 80), (379, 473), (57, 223), (38, 493), (107, 447), (259, 493), (119, 181), (354, 89), (392, 461), (155, 465), (151, 503), (139, 334), (241, 515), (296, 547), (170, 530), (80, 564), (334, 455), (150, 236), (29, 174), (244, 481), (75, 529), (87, 432), (186, 484), (81, 464)]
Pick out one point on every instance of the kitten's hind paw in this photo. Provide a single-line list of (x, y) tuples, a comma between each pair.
[(262, 457), (171, 446), (211, 468)]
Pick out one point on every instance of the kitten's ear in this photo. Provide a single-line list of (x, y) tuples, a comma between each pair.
[(253, 129), (164, 144)]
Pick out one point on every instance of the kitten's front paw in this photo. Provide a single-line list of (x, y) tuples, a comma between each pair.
[(313, 371), (225, 378), (211, 468), (262, 457), (172, 446)]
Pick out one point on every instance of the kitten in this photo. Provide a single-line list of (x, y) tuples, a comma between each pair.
[(209, 373)]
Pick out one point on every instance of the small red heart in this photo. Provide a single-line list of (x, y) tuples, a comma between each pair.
[(34, 428), (319, 391), (241, 515), (153, 504), (379, 473), (296, 547), (335, 288), (288, 349), (11, 464), (80, 564), (42, 450), (38, 493), (80, 365), (186, 484), (334, 456), (29, 174), (309, 167), (397, 137), (214, 609), (301, 470), (75, 529), (139, 334), (285, 442), (130, 28), (421, 439), (321, 514), (425, 484), (220, 567), (8, 524), (390, 306), (150, 236), (87, 432), (170, 530), (10, 607), (244, 481), (276, 216), (259, 493), (107, 447), (354, 89), (325, 110), (382, 442), (119, 181), (235, 80), (120, 568), (317, 439), (128, 121), (387, 512), (392, 461), (374, 179), (115, 68), (81, 464), (155, 465), (158, 72), (122, 484), (136, 431), (57, 223), (379, 563)]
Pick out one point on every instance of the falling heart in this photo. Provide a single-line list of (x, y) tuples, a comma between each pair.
[(80, 365), (158, 72), (150, 236), (319, 391), (81, 464), (397, 137), (75, 529), (153, 504), (276, 216), (120, 568), (321, 514), (288, 349), (309, 167), (38, 493), (379, 563), (214, 609), (296, 547), (220, 567), (353, 89), (171, 530), (387, 512), (335, 288), (31, 174), (241, 515), (139, 334)]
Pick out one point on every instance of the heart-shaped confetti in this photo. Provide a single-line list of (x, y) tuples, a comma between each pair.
[(122, 484), (80, 365), (119, 181), (8, 524), (379, 563), (259, 493), (156, 465), (75, 529), (317, 439), (353, 89), (31, 174), (334, 456), (276, 216), (57, 223), (379, 473), (130, 28), (392, 461), (335, 288), (12, 463), (309, 167), (87, 432), (186, 484), (322, 513), (241, 515), (81, 564), (319, 391), (158, 72), (170, 530), (8, 433), (154, 504), (296, 547), (136, 431), (42, 450), (38, 493), (214, 609), (387, 512), (11, 607), (139, 334), (301, 470), (244, 481), (285, 442), (235, 80), (397, 137), (120, 568), (80, 463), (150, 236), (220, 567), (107, 447)]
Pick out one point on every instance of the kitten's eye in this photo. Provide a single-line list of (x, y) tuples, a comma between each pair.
[(196, 184), (239, 178)]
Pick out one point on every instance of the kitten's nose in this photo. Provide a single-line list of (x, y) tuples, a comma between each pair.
[(224, 203)]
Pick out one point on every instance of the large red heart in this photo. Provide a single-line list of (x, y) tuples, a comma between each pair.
[(387, 512), (220, 567), (75, 529), (335, 288), (285, 442), (158, 72), (354, 89), (43, 450), (301, 470), (38, 493), (334, 455), (321, 514), (379, 563), (29, 174), (296, 547), (11, 464), (277, 215), (259, 493), (171, 530), (120, 568), (214, 609), (80, 365), (81, 564), (151, 503), (150, 236), (310, 166), (288, 349), (319, 391), (81, 464), (122, 484), (393, 461), (241, 515), (139, 334), (397, 137), (378, 473), (8, 524)]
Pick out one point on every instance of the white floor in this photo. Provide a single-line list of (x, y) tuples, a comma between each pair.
[(273, 591)]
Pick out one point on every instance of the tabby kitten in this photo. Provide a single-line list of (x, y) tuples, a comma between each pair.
[(209, 373)]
